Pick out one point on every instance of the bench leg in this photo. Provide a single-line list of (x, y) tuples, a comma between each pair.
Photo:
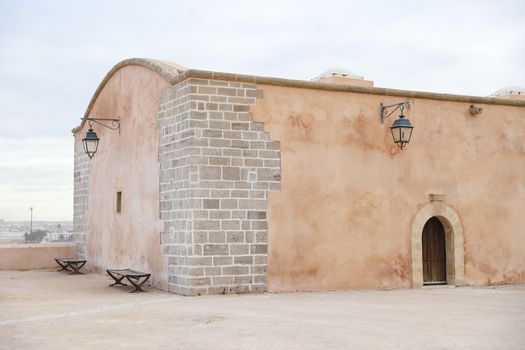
[(64, 267), (76, 267), (117, 279), (138, 284)]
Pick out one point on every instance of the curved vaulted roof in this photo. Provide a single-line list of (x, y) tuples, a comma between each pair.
[(166, 69)]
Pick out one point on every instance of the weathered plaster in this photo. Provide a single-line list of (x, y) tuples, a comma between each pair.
[(167, 70), (343, 218), (20, 257), (126, 162)]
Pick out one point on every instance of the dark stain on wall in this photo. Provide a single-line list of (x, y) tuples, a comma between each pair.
[(302, 125)]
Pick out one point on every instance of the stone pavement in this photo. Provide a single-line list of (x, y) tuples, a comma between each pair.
[(51, 310)]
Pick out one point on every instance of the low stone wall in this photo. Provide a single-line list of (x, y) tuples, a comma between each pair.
[(33, 256)]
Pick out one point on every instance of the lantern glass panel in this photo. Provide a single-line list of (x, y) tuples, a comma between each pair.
[(405, 133), (401, 131), (396, 134), (90, 146)]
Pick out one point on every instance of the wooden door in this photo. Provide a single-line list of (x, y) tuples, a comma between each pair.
[(434, 254)]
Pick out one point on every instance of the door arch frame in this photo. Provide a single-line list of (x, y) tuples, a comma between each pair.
[(455, 253)]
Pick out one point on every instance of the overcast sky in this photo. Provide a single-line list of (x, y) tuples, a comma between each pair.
[(53, 54)]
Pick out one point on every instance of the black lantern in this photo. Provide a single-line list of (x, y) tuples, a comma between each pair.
[(401, 131), (402, 128), (90, 143)]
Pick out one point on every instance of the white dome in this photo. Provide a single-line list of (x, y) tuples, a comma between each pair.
[(338, 72), (509, 90)]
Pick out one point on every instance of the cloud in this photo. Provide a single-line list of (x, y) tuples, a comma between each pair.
[(55, 53), (38, 173)]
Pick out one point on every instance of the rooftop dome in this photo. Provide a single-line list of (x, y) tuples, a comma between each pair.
[(337, 72), (509, 90)]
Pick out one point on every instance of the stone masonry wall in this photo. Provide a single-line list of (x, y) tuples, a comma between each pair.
[(217, 168), (80, 201), (176, 205)]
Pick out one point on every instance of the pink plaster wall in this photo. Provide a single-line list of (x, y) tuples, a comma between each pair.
[(343, 217), (22, 257), (126, 162)]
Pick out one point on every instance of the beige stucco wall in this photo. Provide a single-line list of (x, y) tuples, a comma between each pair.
[(126, 162), (33, 256), (349, 197)]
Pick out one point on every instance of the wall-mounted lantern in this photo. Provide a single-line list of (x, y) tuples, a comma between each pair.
[(91, 140), (401, 128)]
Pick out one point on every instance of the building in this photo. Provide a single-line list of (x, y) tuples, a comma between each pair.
[(11, 236), (219, 183)]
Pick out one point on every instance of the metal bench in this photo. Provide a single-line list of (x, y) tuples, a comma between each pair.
[(134, 277), (71, 265)]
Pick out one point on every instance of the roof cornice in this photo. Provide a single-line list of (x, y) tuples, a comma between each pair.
[(174, 74), (315, 85)]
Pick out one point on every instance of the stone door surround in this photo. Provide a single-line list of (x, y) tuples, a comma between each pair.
[(453, 241)]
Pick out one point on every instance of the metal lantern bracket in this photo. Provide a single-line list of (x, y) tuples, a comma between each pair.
[(113, 124), (90, 142), (384, 109)]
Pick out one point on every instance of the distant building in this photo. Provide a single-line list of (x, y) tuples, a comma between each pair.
[(220, 183), (11, 236)]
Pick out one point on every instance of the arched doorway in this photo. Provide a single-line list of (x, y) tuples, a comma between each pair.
[(454, 252), (434, 253)]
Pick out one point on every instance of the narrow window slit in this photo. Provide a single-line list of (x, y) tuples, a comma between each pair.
[(119, 202)]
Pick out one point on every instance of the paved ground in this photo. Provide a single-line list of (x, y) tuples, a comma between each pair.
[(51, 310)]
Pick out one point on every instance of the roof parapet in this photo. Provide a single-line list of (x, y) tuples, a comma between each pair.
[(175, 73)]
